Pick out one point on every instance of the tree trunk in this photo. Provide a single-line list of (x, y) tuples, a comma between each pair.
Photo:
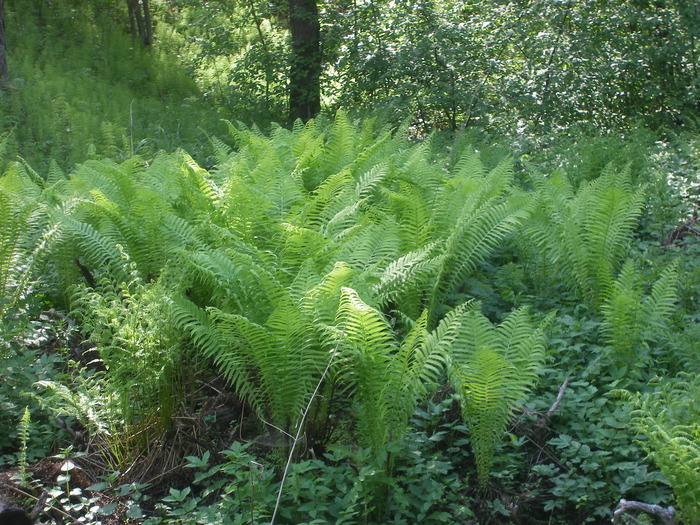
[(148, 31), (4, 78), (132, 18), (305, 63), (140, 21)]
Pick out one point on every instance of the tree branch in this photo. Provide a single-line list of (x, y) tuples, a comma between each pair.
[(633, 507), (560, 396)]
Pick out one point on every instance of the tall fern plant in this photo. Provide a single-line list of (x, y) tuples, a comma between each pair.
[(491, 369), (633, 320), (385, 375), (584, 234), (451, 224), (24, 231)]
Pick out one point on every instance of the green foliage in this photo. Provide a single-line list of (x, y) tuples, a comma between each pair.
[(585, 233), (339, 489), (451, 65), (386, 377), (23, 434), (92, 93), (21, 221), (491, 369), (22, 367), (668, 420), (631, 320), (346, 244), (137, 346)]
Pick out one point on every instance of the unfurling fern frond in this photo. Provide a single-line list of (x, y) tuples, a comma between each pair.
[(491, 369)]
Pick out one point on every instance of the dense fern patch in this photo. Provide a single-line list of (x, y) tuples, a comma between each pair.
[(338, 280)]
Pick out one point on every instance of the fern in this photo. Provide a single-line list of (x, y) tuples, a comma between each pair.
[(386, 376), (23, 220), (585, 234), (340, 150), (477, 233), (668, 420), (491, 368), (631, 320)]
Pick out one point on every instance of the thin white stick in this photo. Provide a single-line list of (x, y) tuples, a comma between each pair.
[(301, 426), (131, 126)]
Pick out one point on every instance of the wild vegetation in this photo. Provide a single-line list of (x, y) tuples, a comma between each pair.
[(464, 292)]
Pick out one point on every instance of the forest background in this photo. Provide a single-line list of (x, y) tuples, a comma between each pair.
[(349, 262)]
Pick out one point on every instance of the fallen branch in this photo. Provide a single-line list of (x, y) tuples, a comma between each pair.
[(34, 514), (560, 396), (634, 507)]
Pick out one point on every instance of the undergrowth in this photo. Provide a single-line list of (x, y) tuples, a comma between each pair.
[(208, 303)]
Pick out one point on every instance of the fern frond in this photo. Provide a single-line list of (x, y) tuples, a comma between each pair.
[(100, 251), (322, 301), (620, 310), (340, 150), (409, 205), (658, 307), (371, 249), (476, 234), (468, 166), (631, 319), (412, 271), (491, 368), (362, 363), (238, 339), (586, 233), (484, 384), (668, 419)]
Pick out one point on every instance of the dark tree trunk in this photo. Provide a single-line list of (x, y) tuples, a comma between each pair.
[(132, 18), (3, 48), (148, 33), (140, 21), (305, 63)]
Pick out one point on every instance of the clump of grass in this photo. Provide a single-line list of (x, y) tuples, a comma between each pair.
[(96, 93)]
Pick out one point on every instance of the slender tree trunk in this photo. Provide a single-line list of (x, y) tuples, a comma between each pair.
[(148, 32), (132, 18), (140, 21), (4, 78), (268, 60), (305, 63)]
